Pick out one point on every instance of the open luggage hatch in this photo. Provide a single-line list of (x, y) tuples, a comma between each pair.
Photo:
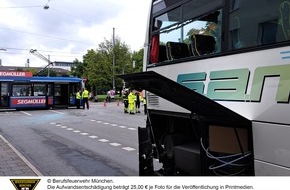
[(210, 140)]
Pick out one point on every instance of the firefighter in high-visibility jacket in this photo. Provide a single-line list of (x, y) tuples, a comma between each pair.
[(131, 101), (78, 99), (85, 97)]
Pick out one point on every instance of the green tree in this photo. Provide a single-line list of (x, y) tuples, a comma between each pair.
[(78, 69), (97, 71), (31, 69), (137, 57), (97, 65)]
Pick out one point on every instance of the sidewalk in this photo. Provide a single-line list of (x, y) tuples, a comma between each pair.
[(12, 163)]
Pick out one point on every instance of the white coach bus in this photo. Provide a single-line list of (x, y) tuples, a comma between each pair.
[(217, 81)]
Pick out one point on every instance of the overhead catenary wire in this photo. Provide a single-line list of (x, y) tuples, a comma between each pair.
[(46, 36), (48, 51), (21, 7)]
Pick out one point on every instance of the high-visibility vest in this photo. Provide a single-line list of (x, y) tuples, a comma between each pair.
[(144, 101), (85, 94), (131, 98), (78, 95), (141, 98)]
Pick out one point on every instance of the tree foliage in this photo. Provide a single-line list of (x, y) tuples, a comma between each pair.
[(97, 65), (137, 57), (78, 70)]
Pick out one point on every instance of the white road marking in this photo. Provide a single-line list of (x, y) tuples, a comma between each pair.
[(128, 148), (56, 112), (103, 140), (24, 112), (116, 125), (133, 129), (115, 144)]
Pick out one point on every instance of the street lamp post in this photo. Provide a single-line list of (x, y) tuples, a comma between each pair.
[(123, 72), (113, 58)]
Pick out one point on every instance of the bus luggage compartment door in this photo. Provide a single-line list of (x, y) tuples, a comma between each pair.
[(209, 120)]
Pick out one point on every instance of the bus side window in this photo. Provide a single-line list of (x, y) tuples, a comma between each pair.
[(202, 44), (155, 43), (285, 17), (162, 53), (177, 50), (154, 53)]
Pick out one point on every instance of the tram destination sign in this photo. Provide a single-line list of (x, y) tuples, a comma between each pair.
[(15, 74)]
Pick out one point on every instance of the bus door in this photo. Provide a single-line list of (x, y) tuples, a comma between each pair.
[(4, 96), (61, 95)]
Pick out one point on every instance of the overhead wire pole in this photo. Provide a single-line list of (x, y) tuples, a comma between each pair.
[(34, 52)]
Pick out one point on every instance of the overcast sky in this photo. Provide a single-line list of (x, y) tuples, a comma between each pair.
[(68, 28)]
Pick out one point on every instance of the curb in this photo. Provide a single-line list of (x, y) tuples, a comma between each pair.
[(38, 173)]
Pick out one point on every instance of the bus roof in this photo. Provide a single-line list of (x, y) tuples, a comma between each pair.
[(41, 79)]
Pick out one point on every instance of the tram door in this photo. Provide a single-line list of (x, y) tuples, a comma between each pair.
[(4, 96), (61, 95), (73, 89)]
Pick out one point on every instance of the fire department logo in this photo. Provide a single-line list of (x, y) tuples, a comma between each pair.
[(25, 184)]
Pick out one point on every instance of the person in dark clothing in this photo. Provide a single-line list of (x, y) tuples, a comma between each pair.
[(125, 100), (138, 100), (145, 105)]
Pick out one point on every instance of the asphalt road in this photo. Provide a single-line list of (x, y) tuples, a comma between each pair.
[(101, 141)]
